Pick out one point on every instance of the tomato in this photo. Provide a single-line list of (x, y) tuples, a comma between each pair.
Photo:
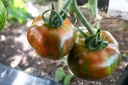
[(2, 15), (94, 65), (51, 43)]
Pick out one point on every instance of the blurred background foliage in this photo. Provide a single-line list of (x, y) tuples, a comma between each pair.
[(44, 1), (17, 11)]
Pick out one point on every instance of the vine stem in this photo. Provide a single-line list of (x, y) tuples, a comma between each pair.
[(94, 3), (82, 18), (66, 5)]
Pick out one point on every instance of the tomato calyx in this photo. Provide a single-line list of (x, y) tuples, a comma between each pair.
[(93, 42), (55, 19)]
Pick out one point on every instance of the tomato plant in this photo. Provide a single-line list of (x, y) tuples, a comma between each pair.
[(93, 65), (95, 55), (2, 15), (51, 37)]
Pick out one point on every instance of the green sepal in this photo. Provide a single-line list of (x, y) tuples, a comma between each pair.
[(84, 35), (89, 42), (63, 14), (55, 19), (91, 37)]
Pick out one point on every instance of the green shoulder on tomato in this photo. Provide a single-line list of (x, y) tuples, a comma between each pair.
[(94, 65)]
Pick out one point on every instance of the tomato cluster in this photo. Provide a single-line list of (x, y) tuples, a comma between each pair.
[(91, 56)]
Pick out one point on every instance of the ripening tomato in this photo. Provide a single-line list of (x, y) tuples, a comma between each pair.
[(51, 43), (94, 65)]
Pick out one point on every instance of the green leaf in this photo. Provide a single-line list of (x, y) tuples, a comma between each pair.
[(2, 15), (19, 3), (84, 35), (59, 74), (17, 11), (124, 55), (67, 79)]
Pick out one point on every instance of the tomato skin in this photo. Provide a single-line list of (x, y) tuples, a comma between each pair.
[(52, 43), (94, 65)]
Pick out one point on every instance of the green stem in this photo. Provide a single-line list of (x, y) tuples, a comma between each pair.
[(92, 6), (70, 10), (66, 5), (82, 18), (93, 2)]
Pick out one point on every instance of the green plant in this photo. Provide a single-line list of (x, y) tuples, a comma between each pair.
[(95, 54), (61, 75), (16, 10), (44, 2), (124, 55), (2, 15)]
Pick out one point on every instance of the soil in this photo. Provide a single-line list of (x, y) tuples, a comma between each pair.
[(16, 52)]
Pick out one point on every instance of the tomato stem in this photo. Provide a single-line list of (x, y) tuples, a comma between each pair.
[(82, 18), (66, 5), (93, 2), (63, 11), (93, 7), (93, 41)]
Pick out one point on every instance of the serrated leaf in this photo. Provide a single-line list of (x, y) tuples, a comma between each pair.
[(59, 74), (67, 79)]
